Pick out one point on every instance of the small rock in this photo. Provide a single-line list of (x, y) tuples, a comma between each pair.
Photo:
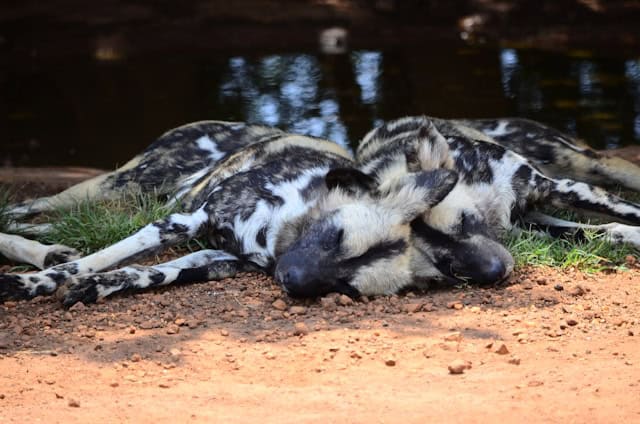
[(345, 300), (390, 362), (630, 260), (136, 357), (577, 291), (455, 305), (456, 336), (572, 322), (224, 333), (78, 306), (630, 333), (558, 287), (458, 366), (328, 304), (619, 322), (500, 348), (163, 385), (180, 322), (73, 403), (535, 383), (172, 329), (270, 355), (412, 307), (279, 304), (300, 329), (131, 329), (175, 352), (148, 325), (4, 341), (514, 360), (297, 310), (114, 384)]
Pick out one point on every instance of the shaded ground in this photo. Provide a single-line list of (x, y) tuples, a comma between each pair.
[(548, 345)]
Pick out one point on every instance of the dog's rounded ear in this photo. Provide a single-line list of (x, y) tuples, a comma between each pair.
[(416, 193), (437, 183), (350, 179)]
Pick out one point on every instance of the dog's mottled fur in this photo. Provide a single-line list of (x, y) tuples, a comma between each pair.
[(506, 168), (427, 199), (287, 204)]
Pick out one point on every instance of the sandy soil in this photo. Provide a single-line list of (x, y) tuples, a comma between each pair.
[(546, 346)]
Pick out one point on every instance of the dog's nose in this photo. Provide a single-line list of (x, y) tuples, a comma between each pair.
[(494, 271), (292, 279)]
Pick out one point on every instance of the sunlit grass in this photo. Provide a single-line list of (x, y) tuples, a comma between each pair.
[(5, 201), (91, 226), (590, 253)]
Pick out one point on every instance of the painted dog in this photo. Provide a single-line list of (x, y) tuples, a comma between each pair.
[(506, 168), (429, 201), (293, 206)]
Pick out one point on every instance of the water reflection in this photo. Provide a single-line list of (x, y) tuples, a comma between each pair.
[(99, 113), (284, 91)]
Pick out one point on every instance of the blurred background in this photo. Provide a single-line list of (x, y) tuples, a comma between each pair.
[(93, 82)]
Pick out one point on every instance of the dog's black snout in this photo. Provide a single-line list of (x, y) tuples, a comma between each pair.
[(494, 271), (292, 276)]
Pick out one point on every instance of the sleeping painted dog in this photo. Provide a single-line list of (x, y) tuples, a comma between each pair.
[(506, 168), (429, 202), (290, 205)]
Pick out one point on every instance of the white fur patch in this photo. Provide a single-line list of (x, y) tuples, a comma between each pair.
[(205, 143), (501, 129)]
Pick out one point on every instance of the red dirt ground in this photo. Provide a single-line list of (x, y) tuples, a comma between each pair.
[(546, 346)]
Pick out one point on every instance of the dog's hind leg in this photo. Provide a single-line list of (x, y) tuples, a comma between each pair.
[(587, 200), (557, 154), (23, 250), (92, 189), (172, 230), (204, 265)]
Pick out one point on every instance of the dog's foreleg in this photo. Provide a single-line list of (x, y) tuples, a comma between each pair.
[(172, 230), (613, 232), (204, 265)]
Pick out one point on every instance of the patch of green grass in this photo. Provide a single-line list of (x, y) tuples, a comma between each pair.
[(590, 253), (90, 226), (5, 201)]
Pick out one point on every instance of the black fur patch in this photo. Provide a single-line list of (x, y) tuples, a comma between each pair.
[(261, 237), (379, 251)]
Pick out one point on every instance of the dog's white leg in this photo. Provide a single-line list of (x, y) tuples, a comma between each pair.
[(172, 230), (613, 232), (204, 265), (23, 250)]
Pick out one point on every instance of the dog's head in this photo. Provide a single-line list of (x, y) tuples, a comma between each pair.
[(358, 240), (456, 240), (457, 244)]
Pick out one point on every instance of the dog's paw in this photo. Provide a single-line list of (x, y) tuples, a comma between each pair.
[(59, 254), (12, 288), (84, 289)]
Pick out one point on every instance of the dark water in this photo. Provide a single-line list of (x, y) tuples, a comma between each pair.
[(86, 111)]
